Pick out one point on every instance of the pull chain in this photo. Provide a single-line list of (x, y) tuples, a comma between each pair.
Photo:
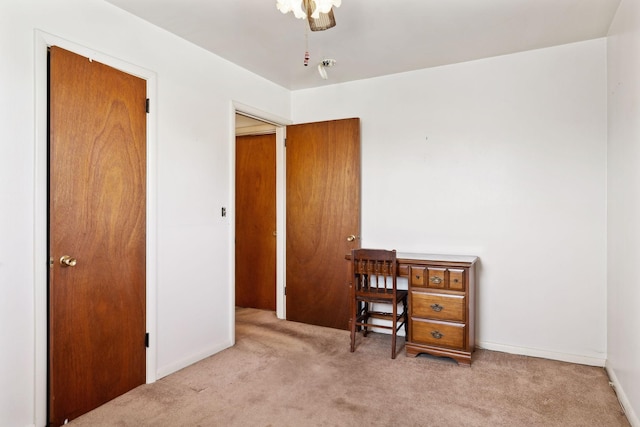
[(306, 44)]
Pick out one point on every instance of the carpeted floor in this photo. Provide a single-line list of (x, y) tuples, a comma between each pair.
[(283, 373)]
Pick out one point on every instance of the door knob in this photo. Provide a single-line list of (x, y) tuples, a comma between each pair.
[(67, 261), (351, 238)]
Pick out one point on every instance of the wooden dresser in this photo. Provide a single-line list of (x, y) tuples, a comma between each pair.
[(441, 304)]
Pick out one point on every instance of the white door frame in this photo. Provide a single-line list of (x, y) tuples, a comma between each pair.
[(42, 42), (280, 123)]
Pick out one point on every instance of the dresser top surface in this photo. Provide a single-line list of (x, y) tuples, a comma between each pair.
[(411, 256), (417, 258)]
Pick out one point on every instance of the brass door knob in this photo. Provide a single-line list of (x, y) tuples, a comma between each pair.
[(351, 238), (67, 261)]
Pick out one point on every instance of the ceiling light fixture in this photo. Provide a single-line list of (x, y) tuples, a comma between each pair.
[(319, 13), (322, 66)]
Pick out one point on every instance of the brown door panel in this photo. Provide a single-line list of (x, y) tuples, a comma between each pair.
[(323, 210), (256, 221), (97, 204)]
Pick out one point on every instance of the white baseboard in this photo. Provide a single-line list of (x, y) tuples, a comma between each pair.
[(181, 364), (564, 357), (622, 398)]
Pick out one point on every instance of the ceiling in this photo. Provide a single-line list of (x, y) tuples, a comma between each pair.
[(373, 37)]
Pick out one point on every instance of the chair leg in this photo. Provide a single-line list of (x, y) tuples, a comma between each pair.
[(394, 327), (406, 320), (354, 316), (393, 345), (353, 336), (365, 318)]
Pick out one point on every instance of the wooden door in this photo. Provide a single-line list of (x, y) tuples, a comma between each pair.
[(97, 204), (256, 221), (323, 210)]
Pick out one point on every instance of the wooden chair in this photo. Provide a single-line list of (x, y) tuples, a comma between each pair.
[(374, 282)]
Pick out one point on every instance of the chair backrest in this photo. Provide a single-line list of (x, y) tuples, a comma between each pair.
[(374, 270)]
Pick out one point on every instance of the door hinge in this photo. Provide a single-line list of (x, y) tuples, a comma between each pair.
[(146, 105), (285, 143), (285, 290), (146, 340)]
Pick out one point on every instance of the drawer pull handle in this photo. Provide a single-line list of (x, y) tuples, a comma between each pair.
[(436, 307), (417, 277), (436, 334), (436, 280)]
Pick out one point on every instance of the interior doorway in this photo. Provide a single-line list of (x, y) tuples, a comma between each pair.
[(253, 123), (97, 234), (322, 222), (43, 41), (255, 214)]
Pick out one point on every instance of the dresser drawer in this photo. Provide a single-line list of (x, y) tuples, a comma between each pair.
[(435, 277), (403, 270), (417, 275), (437, 306), (441, 334), (456, 279)]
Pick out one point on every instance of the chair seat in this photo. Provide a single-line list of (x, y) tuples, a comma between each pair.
[(384, 295)]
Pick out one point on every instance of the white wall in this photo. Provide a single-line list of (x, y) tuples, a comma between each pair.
[(194, 146), (504, 158), (623, 215)]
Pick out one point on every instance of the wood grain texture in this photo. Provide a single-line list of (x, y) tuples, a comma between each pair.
[(256, 221), (97, 202), (374, 281), (442, 311), (323, 209)]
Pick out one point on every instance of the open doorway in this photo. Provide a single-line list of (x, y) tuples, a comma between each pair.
[(252, 122), (255, 214), (319, 175)]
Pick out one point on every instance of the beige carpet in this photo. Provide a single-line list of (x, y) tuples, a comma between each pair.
[(283, 373)]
